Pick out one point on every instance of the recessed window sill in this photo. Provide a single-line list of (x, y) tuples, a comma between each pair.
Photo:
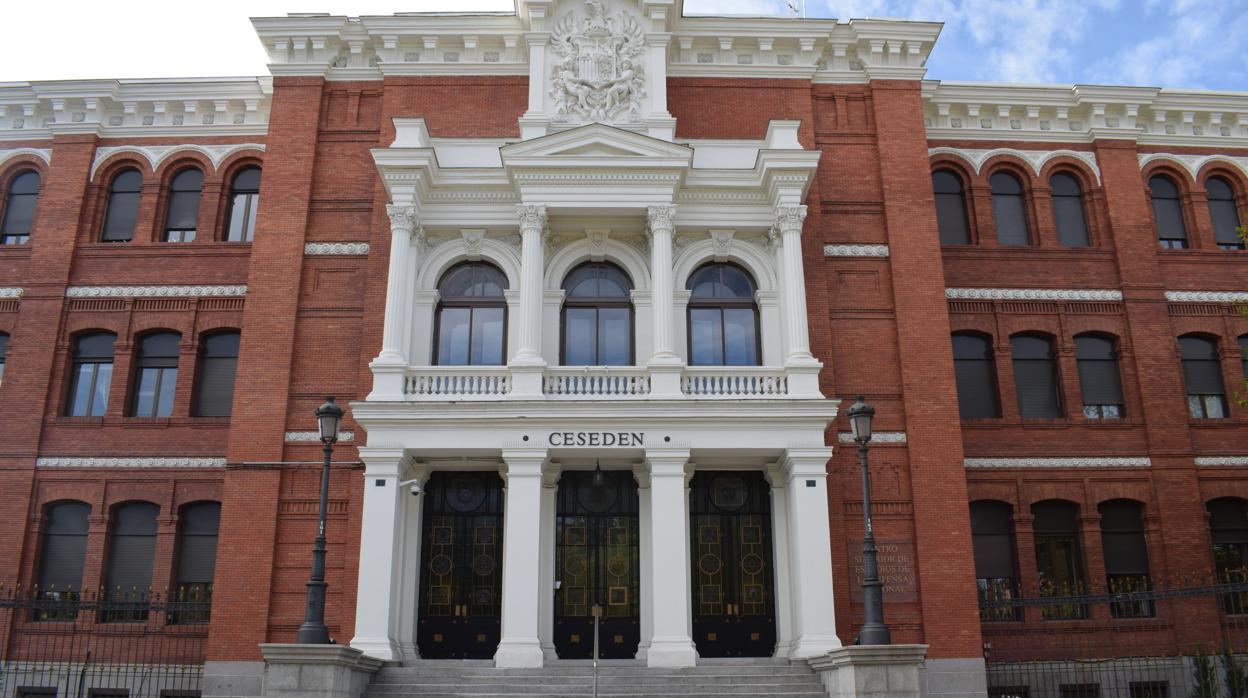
[(80, 421)]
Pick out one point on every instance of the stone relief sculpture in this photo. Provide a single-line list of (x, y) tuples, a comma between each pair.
[(598, 71)]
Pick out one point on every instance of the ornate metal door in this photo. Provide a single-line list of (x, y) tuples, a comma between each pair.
[(596, 563), (734, 605), (461, 566)]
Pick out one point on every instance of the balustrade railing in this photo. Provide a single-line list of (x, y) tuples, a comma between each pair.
[(596, 382), (727, 382), (458, 383)]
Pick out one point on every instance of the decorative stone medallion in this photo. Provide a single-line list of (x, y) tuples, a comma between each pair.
[(598, 74)]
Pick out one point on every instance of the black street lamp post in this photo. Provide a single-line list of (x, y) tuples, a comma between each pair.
[(873, 631), (313, 630)]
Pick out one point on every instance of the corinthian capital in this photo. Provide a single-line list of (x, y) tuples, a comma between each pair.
[(789, 219), (661, 218), (402, 218), (532, 217)]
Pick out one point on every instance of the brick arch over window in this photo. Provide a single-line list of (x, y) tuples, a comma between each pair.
[(1226, 193), (1075, 222), (1168, 188), (1010, 186)]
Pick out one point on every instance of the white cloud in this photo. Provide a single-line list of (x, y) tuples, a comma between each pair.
[(1190, 49)]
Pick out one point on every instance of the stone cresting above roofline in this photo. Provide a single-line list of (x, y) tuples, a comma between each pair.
[(965, 111), (188, 107)]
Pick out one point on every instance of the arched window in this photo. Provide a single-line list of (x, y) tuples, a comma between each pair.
[(182, 214), (156, 375), (63, 550), (1228, 529), (1009, 209), (976, 374), (1059, 557), (723, 317), (218, 362), (951, 216), (4, 348), (244, 202), (1243, 354), (131, 554), (1126, 555), (1099, 381), (92, 374), (1202, 374), (1068, 213), (1035, 377), (597, 316), (19, 209), (992, 539), (1225, 213), (196, 554), (1168, 212), (472, 313), (123, 207)]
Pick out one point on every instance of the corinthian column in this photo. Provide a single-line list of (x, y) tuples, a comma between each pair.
[(528, 363), (788, 226), (665, 365), (406, 243)]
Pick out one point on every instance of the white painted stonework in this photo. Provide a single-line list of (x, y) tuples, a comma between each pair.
[(153, 291), (1061, 462), (1207, 296), (156, 154), (128, 462), (10, 292), (1033, 294), (1036, 158), (336, 248)]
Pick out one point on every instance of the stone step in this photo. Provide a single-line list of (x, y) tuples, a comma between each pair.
[(642, 679), (604, 686), (607, 670)]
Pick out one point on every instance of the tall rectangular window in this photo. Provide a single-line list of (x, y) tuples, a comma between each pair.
[(975, 371), (131, 555), (61, 558), (1126, 556), (1099, 383), (1059, 557), (218, 363), (91, 374), (198, 528), (156, 375), (1035, 377), (1202, 374)]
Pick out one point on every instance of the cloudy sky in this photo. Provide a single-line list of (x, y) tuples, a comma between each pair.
[(1174, 43)]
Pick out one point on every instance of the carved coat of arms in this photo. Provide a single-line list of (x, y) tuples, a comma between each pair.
[(598, 73)]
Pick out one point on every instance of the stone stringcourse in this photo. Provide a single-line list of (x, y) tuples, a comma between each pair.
[(1032, 294), (879, 437), (315, 436), (336, 248), (1215, 461), (1207, 296), (1072, 462), (153, 291), (855, 250), (1035, 158), (128, 462), (11, 292)]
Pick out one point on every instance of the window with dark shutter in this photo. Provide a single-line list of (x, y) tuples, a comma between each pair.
[(1009, 209), (218, 363), (19, 209), (1099, 382), (131, 554), (992, 539), (155, 375), (1168, 213), (597, 316), (1126, 555), (182, 213), (1035, 377), (64, 548), (1068, 213), (91, 374), (951, 218), (1228, 530), (123, 207), (1225, 213), (196, 555), (4, 350), (471, 316), (1059, 559), (723, 317), (244, 203), (976, 375), (1202, 374)]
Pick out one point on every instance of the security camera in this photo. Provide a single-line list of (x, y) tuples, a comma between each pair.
[(414, 485)]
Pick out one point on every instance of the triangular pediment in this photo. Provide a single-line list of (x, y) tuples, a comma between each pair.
[(595, 142)]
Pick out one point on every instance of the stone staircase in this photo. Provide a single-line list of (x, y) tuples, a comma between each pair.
[(468, 679)]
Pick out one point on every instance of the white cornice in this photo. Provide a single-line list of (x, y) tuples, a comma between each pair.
[(153, 291), (1063, 462), (128, 462), (336, 248), (1033, 294), (1194, 163), (1207, 296), (315, 436), (156, 154), (1036, 158), (10, 292), (1220, 461), (855, 250), (880, 437)]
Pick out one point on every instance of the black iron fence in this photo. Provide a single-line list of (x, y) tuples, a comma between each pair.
[(1134, 638), (76, 645)]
